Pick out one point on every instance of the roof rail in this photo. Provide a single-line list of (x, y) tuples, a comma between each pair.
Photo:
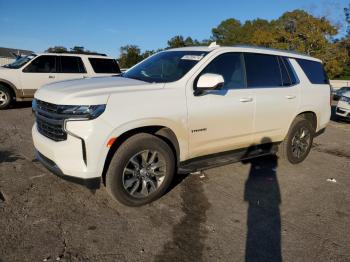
[(78, 53), (213, 45), (273, 49)]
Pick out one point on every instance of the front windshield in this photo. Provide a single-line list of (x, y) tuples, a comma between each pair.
[(165, 66), (20, 62)]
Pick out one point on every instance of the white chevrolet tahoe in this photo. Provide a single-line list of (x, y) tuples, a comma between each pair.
[(180, 110), (20, 80)]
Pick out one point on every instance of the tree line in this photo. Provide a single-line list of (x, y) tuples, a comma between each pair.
[(296, 30)]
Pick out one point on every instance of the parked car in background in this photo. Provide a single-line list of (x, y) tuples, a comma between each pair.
[(343, 106), (179, 111), (20, 79), (337, 94)]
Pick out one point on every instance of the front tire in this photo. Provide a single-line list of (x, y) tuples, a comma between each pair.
[(298, 142), (5, 97), (141, 170)]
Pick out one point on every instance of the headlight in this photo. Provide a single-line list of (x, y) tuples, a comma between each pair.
[(89, 112), (34, 105), (345, 99)]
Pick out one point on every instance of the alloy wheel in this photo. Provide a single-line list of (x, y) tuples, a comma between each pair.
[(301, 142), (144, 173), (3, 98)]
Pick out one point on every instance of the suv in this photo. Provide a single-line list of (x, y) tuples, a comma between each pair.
[(20, 80), (180, 111), (343, 107)]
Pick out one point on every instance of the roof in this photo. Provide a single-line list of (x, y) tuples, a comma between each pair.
[(248, 48), (93, 55), (12, 52)]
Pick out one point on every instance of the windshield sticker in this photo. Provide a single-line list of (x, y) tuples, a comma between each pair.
[(192, 57)]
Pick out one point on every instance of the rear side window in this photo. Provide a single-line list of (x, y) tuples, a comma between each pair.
[(262, 70), (314, 71), (104, 66), (42, 64), (72, 64)]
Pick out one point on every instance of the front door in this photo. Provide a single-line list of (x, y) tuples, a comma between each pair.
[(221, 120), (41, 71)]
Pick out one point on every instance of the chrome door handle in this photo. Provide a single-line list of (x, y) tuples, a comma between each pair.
[(51, 77), (246, 99), (290, 97)]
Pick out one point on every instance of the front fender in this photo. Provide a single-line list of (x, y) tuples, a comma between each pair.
[(180, 131)]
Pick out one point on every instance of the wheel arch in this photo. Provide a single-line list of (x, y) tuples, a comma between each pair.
[(310, 116), (163, 132), (15, 92)]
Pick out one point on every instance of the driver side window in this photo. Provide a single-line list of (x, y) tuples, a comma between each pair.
[(42, 64), (230, 66)]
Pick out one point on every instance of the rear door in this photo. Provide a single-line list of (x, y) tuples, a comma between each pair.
[(40, 71), (71, 67), (277, 94)]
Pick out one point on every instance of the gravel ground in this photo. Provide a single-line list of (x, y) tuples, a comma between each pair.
[(261, 210)]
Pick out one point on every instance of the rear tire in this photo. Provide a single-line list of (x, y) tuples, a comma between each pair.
[(5, 97), (141, 170), (298, 142)]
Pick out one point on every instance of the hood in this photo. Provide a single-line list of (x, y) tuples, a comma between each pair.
[(347, 94), (2, 68), (90, 91)]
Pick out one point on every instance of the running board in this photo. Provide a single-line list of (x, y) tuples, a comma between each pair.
[(224, 158)]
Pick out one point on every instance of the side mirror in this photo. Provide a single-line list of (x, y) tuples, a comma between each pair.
[(208, 82)]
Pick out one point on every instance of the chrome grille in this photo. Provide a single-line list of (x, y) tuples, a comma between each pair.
[(49, 122)]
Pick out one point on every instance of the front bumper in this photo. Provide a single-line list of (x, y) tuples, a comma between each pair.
[(81, 157), (343, 109), (91, 183)]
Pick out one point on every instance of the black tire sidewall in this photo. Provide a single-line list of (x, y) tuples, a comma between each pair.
[(299, 123), (8, 93), (121, 157)]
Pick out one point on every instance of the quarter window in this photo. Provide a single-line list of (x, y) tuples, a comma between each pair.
[(72, 64), (314, 71), (228, 65), (262, 70), (42, 64), (104, 66)]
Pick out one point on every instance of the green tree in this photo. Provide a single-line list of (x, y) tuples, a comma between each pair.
[(129, 56), (180, 41), (56, 49), (296, 30), (228, 32)]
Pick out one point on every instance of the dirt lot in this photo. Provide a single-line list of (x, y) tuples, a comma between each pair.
[(263, 210)]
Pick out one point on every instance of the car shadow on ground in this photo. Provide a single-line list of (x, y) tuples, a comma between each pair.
[(25, 104), (8, 157)]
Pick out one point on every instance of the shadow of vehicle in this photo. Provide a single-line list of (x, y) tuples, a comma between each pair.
[(25, 104), (8, 157), (263, 241)]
